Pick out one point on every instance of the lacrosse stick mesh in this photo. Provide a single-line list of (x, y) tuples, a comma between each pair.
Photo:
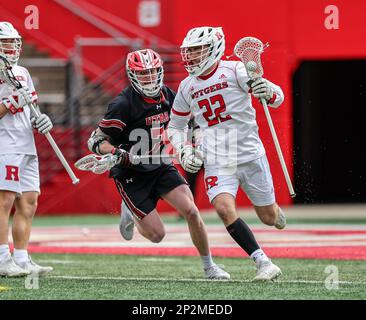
[(96, 164), (86, 163), (249, 50)]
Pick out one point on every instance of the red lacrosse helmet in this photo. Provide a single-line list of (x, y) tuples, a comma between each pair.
[(145, 72)]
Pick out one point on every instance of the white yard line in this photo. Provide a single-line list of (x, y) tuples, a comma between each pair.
[(55, 261), (193, 280)]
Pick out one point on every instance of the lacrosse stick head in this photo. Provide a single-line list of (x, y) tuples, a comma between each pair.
[(249, 50), (96, 164)]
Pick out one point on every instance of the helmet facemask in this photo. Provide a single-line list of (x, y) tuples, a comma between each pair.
[(195, 58), (11, 49), (145, 72), (147, 82)]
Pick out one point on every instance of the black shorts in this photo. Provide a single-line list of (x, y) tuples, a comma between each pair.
[(141, 190)]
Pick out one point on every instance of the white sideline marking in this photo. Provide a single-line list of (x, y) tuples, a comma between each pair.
[(194, 280), (58, 261), (162, 259)]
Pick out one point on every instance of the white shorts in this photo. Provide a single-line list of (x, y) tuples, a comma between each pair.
[(19, 173), (254, 177)]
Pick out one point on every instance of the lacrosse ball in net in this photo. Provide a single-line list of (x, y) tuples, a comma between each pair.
[(251, 66)]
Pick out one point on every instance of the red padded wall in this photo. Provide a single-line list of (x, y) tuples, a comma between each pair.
[(295, 30)]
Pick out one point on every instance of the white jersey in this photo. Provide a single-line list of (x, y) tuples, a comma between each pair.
[(222, 107), (16, 132)]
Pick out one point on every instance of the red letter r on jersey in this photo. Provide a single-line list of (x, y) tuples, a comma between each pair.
[(211, 182), (12, 173)]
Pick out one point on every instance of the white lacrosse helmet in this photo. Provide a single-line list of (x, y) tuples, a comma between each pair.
[(10, 42), (145, 72), (212, 43)]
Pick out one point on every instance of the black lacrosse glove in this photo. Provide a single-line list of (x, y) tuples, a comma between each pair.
[(123, 157)]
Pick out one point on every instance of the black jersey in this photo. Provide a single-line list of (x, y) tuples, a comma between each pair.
[(136, 123)]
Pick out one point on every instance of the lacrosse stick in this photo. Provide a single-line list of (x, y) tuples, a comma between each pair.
[(249, 51), (100, 164), (8, 76)]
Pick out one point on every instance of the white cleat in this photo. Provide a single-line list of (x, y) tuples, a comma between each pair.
[(266, 271), (281, 220), (216, 273), (126, 224), (8, 268), (34, 268)]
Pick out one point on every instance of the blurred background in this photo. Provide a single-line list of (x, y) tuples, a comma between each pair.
[(75, 51)]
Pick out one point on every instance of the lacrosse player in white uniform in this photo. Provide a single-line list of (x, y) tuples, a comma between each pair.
[(217, 94), (19, 173)]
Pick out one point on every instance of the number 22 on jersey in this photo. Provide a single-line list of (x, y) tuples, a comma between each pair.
[(213, 112)]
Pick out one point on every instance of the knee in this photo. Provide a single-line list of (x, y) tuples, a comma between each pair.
[(157, 236), (6, 203), (31, 208), (28, 210), (190, 212), (226, 212)]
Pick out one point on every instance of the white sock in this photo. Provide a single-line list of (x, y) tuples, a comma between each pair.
[(4, 251), (207, 261), (259, 256), (20, 256)]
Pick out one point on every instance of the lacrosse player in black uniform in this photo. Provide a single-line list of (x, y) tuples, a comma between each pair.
[(134, 123)]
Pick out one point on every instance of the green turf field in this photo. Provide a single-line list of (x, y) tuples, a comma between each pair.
[(86, 276), (113, 219), (146, 277)]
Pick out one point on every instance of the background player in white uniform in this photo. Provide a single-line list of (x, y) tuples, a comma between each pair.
[(217, 94), (19, 173)]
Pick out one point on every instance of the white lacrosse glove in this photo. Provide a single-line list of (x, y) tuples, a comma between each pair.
[(191, 159), (43, 123), (261, 89), (106, 163), (26, 94), (18, 100)]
